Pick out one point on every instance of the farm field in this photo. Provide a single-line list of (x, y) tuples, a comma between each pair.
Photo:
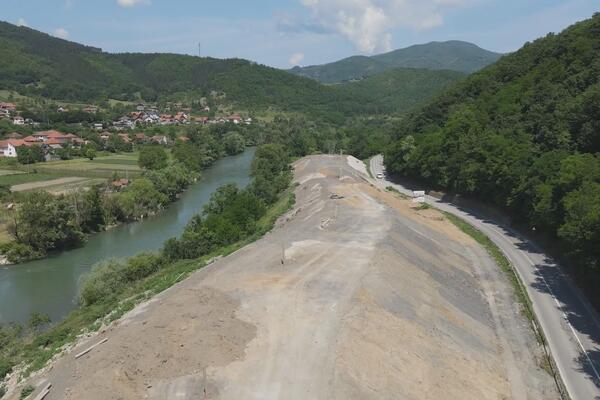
[(101, 166), (59, 186), (60, 176)]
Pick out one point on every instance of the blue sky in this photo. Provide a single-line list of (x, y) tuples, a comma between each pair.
[(286, 32)]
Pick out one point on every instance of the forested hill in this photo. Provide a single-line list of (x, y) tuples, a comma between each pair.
[(399, 90), (523, 134), (452, 55), (34, 63)]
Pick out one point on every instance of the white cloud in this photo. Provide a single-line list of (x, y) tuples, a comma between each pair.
[(296, 59), (132, 3), (22, 22), (368, 23), (61, 33)]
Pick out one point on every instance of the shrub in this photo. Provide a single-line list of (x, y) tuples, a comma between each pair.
[(6, 367), (112, 277), (27, 390), (19, 252)]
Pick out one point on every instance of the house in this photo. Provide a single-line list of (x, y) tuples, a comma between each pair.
[(140, 107), (236, 119), (160, 139), (248, 121), (18, 120), (201, 120), (8, 107), (124, 137), (62, 109), (31, 139), (119, 184), (166, 119), (181, 117), (8, 148), (105, 136), (90, 109), (98, 126), (4, 113), (44, 136), (141, 138)]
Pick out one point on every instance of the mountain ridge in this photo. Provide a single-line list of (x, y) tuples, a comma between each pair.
[(453, 55)]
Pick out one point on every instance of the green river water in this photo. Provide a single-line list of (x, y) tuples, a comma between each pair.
[(50, 286)]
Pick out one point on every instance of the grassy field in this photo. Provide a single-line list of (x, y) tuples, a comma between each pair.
[(21, 178), (101, 168)]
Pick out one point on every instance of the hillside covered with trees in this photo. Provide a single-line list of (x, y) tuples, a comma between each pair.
[(523, 135), (37, 64), (452, 55)]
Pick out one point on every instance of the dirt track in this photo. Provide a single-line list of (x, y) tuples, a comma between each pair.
[(373, 300)]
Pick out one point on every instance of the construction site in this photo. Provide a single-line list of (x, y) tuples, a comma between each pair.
[(357, 293)]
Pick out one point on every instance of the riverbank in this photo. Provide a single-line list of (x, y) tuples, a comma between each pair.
[(50, 286), (88, 320)]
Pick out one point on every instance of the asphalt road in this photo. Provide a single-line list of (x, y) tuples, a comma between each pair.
[(570, 324)]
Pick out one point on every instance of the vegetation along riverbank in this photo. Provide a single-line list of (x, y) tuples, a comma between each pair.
[(233, 218)]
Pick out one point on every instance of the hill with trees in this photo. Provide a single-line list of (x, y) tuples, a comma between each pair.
[(37, 64), (523, 135), (452, 55)]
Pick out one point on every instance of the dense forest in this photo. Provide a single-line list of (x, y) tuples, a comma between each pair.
[(37, 64), (523, 135), (452, 55)]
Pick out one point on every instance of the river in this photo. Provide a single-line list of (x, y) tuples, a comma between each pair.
[(50, 286)]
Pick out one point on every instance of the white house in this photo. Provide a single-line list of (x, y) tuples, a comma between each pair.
[(8, 148), (18, 120)]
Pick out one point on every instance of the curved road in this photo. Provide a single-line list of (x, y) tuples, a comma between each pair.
[(570, 324)]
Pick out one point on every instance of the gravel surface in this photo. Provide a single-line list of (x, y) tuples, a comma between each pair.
[(354, 295)]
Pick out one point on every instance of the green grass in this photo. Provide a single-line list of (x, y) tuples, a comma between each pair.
[(367, 163), (90, 318), (18, 179), (114, 161)]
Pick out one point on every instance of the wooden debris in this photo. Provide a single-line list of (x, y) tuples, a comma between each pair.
[(44, 392), (91, 348)]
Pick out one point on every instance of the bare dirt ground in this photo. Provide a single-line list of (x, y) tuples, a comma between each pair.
[(354, 295)]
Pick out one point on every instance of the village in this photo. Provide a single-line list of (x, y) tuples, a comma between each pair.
[(52, 142)]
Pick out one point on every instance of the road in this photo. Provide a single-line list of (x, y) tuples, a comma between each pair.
[(570, 324)]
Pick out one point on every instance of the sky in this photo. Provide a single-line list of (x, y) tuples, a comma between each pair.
[(284, 33)]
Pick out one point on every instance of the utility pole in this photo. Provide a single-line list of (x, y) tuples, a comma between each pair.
[(199, 49)]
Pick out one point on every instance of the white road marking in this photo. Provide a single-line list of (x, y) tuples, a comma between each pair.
[(564, 316)]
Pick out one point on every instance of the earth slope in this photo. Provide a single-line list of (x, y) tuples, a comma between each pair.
[(355, 294)]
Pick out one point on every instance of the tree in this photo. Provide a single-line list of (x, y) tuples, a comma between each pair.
[(141, 198), (46, 222), (90, 153), (30, 154), (153, 157), (234, 143)]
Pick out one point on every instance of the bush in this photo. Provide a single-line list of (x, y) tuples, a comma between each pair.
[(19, 252), (112, 277), (27, 390), (6, 367)]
